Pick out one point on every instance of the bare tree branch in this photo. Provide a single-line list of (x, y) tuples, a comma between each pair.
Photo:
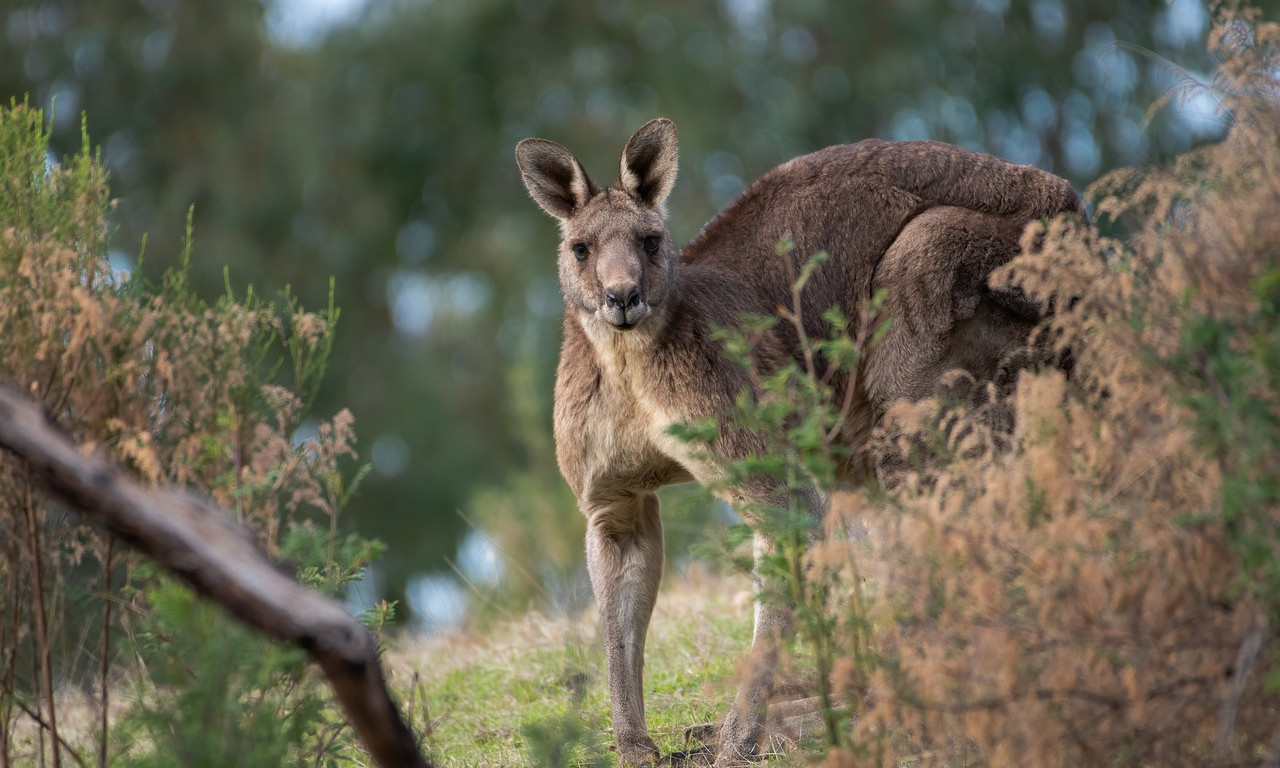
[(193, 538)]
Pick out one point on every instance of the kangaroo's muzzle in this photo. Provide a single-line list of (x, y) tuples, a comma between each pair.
[(623, 306)]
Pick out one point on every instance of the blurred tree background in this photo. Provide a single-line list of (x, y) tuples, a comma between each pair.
[(378, 149)]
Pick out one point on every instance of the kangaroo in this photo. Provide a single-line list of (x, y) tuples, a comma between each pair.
[(926, 221)]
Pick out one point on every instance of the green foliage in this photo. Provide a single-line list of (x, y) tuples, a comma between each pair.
[(795, 406), (218, 694), (1230, 367), (325, 564), (561, 742)]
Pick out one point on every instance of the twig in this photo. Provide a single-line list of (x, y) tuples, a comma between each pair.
[(43, 648), (8, 651), (106, 648), (40, 722), (1249, 649)]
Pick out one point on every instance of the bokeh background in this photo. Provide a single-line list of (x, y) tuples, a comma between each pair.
[(370, 141)]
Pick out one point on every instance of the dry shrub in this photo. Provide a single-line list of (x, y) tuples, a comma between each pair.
[(1091, 590), (182, 391), (178, 389)]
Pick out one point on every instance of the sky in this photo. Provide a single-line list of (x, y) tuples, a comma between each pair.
[(299, 22)]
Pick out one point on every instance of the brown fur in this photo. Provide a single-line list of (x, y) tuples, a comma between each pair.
[(925, 221)]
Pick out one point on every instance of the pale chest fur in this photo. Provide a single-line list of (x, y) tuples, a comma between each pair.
[(615, 437)]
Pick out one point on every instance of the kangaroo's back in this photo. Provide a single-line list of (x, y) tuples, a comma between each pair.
[(852, 201)]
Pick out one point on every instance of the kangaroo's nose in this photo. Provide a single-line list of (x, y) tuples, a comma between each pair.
[(625, 297)]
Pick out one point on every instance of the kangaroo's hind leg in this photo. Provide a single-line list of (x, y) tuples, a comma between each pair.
[(744, 727), (944, 313)]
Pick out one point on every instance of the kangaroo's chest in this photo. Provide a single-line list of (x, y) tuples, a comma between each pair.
[(636, 417), (629, 424), (613, 427)]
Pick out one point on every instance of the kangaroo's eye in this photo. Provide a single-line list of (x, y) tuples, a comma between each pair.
[(651, 244), (580, 251)]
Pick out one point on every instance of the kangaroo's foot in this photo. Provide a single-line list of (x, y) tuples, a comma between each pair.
[(739, 737), (789, 722), (636, 749)]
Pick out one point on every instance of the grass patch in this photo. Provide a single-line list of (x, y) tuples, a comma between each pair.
[(532, 690)]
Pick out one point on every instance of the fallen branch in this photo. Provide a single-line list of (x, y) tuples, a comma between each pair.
[(189, 535)]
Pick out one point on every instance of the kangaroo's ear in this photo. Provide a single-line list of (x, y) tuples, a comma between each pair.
[(554, 177), (648, 166)]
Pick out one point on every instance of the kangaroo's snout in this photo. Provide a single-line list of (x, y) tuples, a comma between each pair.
[(624, 306), (624, 296)]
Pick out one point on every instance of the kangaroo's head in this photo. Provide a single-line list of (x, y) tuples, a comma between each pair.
[(617, 262)]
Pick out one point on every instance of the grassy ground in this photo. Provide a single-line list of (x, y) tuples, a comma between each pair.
[(532, 690)]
